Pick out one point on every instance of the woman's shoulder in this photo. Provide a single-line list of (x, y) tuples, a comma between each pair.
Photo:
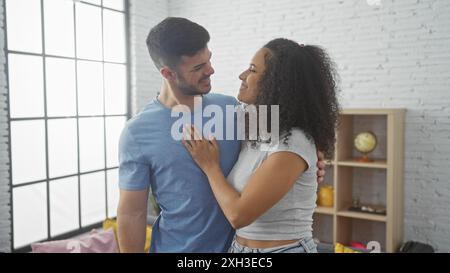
[(296, 136), (298, 142)]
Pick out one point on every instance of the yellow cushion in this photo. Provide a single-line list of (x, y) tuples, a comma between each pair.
[(112, 223)]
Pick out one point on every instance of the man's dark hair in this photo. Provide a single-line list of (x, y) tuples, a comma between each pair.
[(175, 37)]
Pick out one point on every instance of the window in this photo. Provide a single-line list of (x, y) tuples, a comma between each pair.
[(68, 102)]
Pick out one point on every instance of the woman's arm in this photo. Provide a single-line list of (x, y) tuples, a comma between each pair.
[(267, 185), (270, 182)]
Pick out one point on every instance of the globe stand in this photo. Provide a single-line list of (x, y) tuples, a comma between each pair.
[(365, 159)]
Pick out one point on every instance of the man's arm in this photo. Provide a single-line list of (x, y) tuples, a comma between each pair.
[(132, 220)]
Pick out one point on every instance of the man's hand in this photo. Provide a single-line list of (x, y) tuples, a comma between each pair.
[(321, 167)]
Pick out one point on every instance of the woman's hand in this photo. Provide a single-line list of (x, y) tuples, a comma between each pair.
[(204, 152), (320, 167)]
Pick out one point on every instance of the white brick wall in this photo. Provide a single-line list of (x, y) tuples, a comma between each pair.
[(5, 223), (393, 55), (145, 79)]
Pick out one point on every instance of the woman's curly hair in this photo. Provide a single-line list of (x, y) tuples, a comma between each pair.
[(302, 80)]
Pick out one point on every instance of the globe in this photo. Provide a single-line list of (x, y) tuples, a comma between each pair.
[(365, 143)]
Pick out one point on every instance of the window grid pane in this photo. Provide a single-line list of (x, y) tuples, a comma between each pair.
[(24, 35), (37, 127), (114, 36), (62, 147), (92, 144), (93, 198), (30, 214), (115, 89), (60, 87), (28, 151), (90, 88), (89, 31), (59, 28), (64, 204), (114, 4), (26, 85)]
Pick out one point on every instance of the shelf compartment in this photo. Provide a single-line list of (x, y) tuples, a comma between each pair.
[(360, 230), (364, 185), (350, 126)]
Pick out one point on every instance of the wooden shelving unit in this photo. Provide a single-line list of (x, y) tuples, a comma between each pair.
[(347, 226)]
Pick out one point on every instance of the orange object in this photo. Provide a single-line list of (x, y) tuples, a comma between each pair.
[(326, 196)]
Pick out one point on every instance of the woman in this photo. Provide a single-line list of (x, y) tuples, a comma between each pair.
[(270, 195)]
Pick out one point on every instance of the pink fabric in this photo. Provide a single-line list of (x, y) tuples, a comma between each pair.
[(102, 241)]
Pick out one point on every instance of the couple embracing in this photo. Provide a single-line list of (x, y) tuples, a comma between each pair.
[(227, 195)]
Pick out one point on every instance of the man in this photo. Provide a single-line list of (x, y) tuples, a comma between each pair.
[(191, 219)]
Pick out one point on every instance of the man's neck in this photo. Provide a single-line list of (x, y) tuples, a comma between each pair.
[(170, 97)]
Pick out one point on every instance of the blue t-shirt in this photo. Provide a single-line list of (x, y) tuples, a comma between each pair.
[(191, 219)]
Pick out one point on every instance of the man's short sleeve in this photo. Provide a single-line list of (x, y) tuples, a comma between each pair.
[(134, 171)]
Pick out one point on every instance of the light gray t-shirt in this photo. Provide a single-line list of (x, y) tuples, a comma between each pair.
[(291, 217)]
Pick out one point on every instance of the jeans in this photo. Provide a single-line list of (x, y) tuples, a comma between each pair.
[(305, 245)]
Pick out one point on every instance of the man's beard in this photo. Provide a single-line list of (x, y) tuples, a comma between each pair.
[(188, 90)]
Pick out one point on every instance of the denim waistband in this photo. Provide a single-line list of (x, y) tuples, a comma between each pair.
[(308, 245)]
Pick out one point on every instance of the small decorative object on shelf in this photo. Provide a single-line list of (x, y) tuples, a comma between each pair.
[(358, 207), (356, 244), (326, 196), (365, 143)]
